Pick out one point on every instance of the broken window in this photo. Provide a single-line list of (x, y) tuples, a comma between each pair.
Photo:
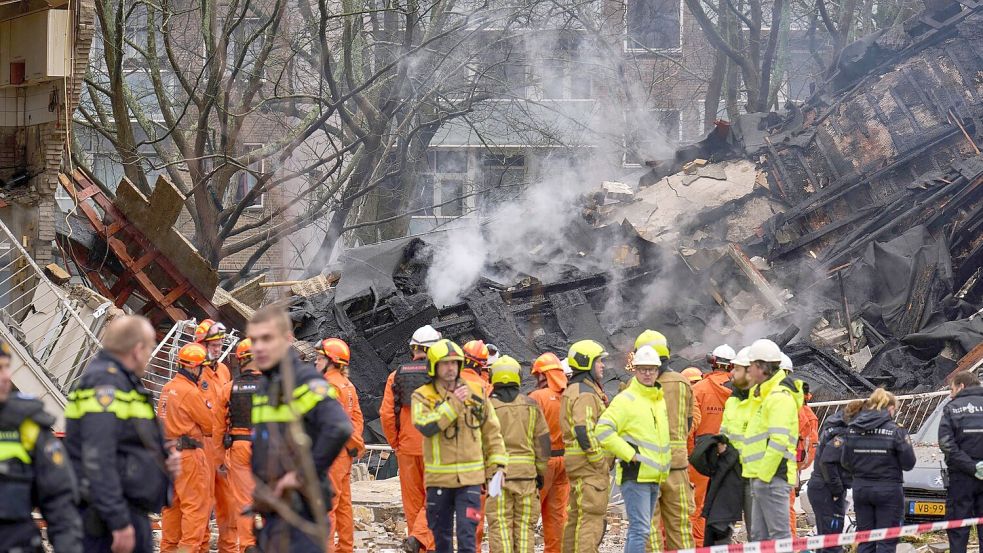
[(653, 24)]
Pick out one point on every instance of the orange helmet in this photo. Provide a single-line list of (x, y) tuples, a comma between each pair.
[(244, 350), (546, 362), (476, 352), (692, 374), (336, 350), (209, 330), (192, 355)]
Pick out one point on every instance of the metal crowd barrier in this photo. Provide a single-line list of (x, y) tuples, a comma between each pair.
[(912, 409), (163, 361)]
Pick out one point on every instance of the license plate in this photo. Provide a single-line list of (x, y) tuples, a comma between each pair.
[(930, 508)]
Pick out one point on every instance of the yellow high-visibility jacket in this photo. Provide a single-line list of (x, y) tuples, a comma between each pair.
[(636, 422), (526, 436), (462, 441), (773, 429), (580, 407)]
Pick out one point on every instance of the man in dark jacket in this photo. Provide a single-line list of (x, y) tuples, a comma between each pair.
[(961, 440), (116, 445), (288, 392), (715, 458)]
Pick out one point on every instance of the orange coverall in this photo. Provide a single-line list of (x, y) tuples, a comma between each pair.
[(556, 485), (215, 383), (183, 412), (238, 461), (711, 395), (805, 450), (340, 472), (407, 443)]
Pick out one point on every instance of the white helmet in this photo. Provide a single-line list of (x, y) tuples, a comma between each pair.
[(493, 353), (724, 352), (786, 363), (743, 357), (765, 350), (646, 356), (425, 336), (565, 365)]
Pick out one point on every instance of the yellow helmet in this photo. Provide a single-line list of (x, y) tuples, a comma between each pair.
[(582, 355), (655, 339), (443, 350), (505, 371)]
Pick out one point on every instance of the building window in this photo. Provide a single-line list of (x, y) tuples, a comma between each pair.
[(247, 43), (652, 137), (442, 188), (654, 24), (502, 175), (246, 180), (502, 70)]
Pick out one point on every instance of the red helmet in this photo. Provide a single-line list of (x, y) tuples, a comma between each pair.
[(546, 362), (476, 352), (192, 355), (336, 350), (244, 350), (209, 330)]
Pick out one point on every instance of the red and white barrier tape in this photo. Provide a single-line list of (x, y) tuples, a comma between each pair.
[(809, 543)]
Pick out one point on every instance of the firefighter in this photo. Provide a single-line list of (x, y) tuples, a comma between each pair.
[(675, 507), (463, 449), (962, 443), (115, 442), (710, 394), (692, 374), (406, 441), (635, 430), (556, 486), (877, 452), (187, 421), (512, 515), (475, 362), (215, 383), (770, 440), (805, 448), (587, 467), (829, 482), (33, 473), (311, 402), (238, 442), (333, 358)]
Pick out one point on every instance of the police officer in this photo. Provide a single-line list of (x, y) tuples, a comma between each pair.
[(961, 440), (829, 482), (33, 473), (278, 470), (115, 442), (877, 451)]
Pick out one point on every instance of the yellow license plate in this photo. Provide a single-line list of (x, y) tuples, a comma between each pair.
[(930, 508)]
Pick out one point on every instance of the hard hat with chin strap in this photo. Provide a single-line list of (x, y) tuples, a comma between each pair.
[(443, 350), (584, 353), (424, 337), (192, 355), (655, 339), (336, 350), (505, 371)]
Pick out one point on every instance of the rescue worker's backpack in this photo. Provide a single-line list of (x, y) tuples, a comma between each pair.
[(241, 404), (409, 377)]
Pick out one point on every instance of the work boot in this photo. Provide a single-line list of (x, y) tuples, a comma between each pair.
[(412, 545)]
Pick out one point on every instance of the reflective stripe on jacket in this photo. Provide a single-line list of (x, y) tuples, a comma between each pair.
[(526, 437), (581, 405), (772, 431), (637, 422), (681, 411)]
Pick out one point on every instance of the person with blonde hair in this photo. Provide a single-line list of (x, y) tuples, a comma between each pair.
[(876, 451)]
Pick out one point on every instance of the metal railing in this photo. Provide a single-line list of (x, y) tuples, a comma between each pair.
[(375, 458), (911, 413), (163, 361)]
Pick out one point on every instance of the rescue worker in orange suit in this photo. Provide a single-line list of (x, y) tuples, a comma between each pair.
[(556, 486), (238, 442), (805, 449), (396, 416), (475, 370), (333, 357), (214, 383), (711, 394), (187, 421)]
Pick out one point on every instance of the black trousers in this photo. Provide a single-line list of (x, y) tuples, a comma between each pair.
[(964, 500), (829, 512), (878, 505), (717, 533), (445, 506), (98, 539)]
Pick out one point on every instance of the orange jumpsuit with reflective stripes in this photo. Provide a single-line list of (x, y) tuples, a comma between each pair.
[(805, 450), (215, 383), (711, 395), (183, 412), (340, 472), (407, 444), (238, 461), (556, 485)]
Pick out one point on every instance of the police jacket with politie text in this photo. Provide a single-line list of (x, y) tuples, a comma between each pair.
[(876, 449), (313, 403), (829, 451), (961, 430), (34, 472), (116, 445)]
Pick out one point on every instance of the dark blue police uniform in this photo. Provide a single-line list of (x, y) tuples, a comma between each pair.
[(961, 440), (829, 482), (116, 446), (876, 451)]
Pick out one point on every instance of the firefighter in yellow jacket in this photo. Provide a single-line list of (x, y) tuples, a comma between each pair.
[(676, 504), (512, 515), (462, 447), (587, 467)]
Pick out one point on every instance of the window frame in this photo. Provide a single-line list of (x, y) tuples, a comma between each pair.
[(630, 48)]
